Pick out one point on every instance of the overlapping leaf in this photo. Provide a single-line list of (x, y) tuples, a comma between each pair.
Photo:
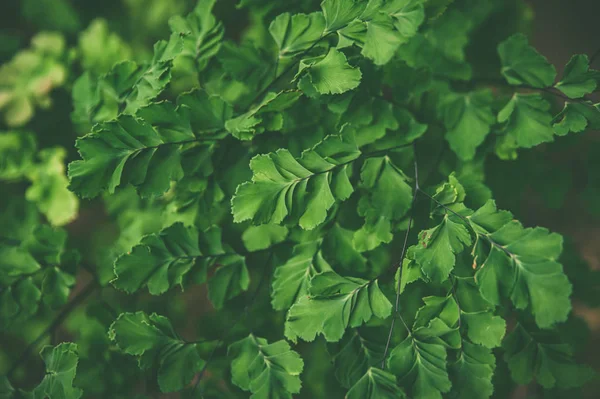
[(266, 370), (158, 346), (521, 264), (376, 384), (333, 304), (291, 280), (538, 356), (303, 190), (523, 65), (162, 261)]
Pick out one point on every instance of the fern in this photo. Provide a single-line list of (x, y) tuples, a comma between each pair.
[(292, 199)]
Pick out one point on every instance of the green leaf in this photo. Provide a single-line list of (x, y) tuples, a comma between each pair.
[(61, 366), (383, 27), (17, 151), (578, 80), (329, 75), (538, 356), (153, 339), (376, 384), (339, 250), (202, 34), (29, 78), (143, 152), (126, 88), (261, 237), (265, 116), (440, 47), (49, 187), (577, 117), (437, 247), (356, 353), (421, 368), (100, 49), (472, 372), (230, 279), (521, 264), (523, 65), (468, 118), (339, 13), (266, 370), (387, 200), (294, 34), (160, 261), (333, 304), (291, 280), (438, 322), (284, 188), (483, 328), (527, 120)]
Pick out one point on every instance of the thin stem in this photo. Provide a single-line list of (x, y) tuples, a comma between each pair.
[(72, 305), (403, 253), (549, 90)]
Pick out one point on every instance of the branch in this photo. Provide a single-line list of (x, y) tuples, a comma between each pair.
[(404, 248)]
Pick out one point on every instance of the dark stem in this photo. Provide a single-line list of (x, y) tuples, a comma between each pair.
[(403, 253)]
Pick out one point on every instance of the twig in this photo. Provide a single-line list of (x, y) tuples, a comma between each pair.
[(76, 301), (404, 247)]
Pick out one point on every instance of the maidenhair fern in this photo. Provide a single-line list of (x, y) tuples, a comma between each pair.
[(282, 200)]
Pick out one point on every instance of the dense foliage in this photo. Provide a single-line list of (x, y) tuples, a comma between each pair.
[(288, 199)]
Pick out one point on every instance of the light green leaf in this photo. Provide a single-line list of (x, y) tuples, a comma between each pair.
[(576, 117), (387, 199), (153, 339), (160, 261), (266, 370), (521, 264), (527, 120), (296, 33), (291, 280), (28, 79), (333, 304), (329, 75), (578, 80), (339, 13), (437, 247), (376, 384), (202, 34), (471, 373), (523, 65), (17, 151), (49, 187), (61, 366), (483, 328), (261, 237), (468, 118), (143, 152), (266, 116), (421, 368), (538, 355), (284, 188), (100, 49), (438, 321)]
